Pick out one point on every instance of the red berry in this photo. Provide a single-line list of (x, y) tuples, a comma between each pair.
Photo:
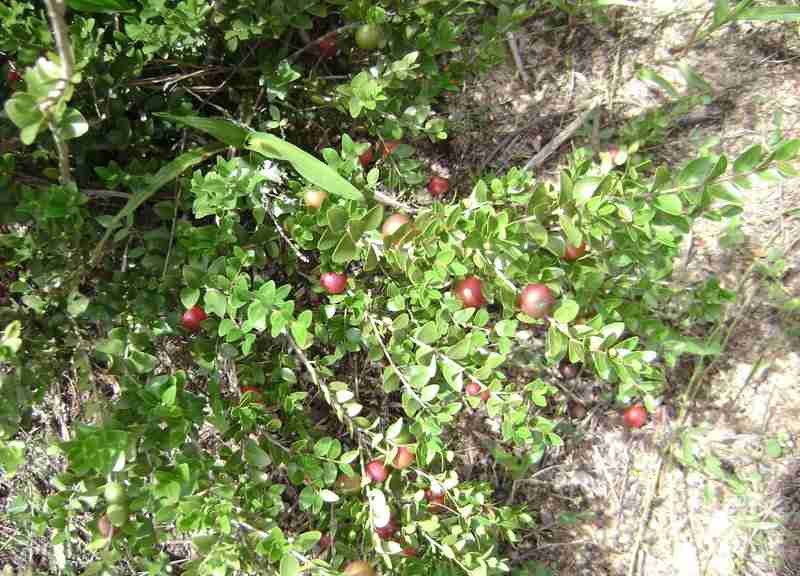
[(387, 532), (568, 370), (105, 527), (437, 186), (377, 471), (485, 395), (333, 282), (327, 46), (409, 552), (576, 410), (366, 157), (193, 318), (473, 389), (435, 501), (254, 392), (635, 416), (13, 76), (536, 300), (572, 253), (403, 459), (325, 542), (469, 292)]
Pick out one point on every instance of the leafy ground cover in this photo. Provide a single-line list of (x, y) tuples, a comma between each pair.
[(278, 296)]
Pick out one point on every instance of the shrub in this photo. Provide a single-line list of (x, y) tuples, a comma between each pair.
[(248, 435)]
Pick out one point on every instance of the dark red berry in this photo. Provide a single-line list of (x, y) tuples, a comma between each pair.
[(333, 282), (377, 471), (635, 416), (193, 318), (438, 186)]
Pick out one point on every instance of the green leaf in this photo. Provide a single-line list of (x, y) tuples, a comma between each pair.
[(23, 111), (787, 150), (649, 75), (257, 315), (507, 328), (567, 311), (394, 430), (748, 160), (418, 376), (169, 395), (345, 251), (289, 565), (11, 338), (142, 362), (722, 10), (189, 297), (693, 79), (348, 457), (301, 335), (254, 455), (768, 13), (427, 333), (220, 128), (574, 235), (585, 188), (101, 5), (215, 302), (77, 304), (12, 456), (538, 233), (555, 343), (72, 124), (429, 392), (328, 496), (166, 174), (309, 167), (337, 219), (306, 540), (670, 203), (373, 218)]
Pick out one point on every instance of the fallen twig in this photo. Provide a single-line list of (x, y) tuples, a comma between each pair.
[(512, 45), (562, 137), (387, 200)]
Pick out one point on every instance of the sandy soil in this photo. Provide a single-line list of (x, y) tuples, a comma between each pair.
[(728, 499)]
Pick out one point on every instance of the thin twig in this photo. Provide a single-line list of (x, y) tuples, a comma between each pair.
[(512, 45), (178, 190), (55, 11), (562, 137), (279, 228), (645, 517), (695, 35), (96, 193), (406, 384), (385, 199)]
